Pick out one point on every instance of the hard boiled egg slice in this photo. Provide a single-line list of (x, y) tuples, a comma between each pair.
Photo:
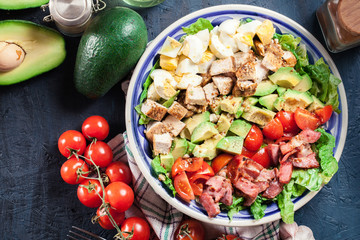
[(193, 48), (249, 28), (186, 66), (228, 41), (229, 26), (244, 41), (152, 94), (164, 83), (189, 79), (163, 74), (206, 61), (170, 48), (204, 36), (218, 48)]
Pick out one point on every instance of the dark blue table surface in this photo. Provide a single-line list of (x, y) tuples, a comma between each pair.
[(36, 204)]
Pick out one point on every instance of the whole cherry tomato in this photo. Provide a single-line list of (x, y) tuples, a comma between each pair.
[(119, 195), (287, 120), (183, 187), (100, 153), (262, 157), (254, 139), (104, 220), (138, 226), (95, 127), (221, 161), (190, 229), (229, 237), (88, 193), (186, 164), (70, 169), (305, 119), (324, 114), (274, 129), (71, 142), (119, 172)]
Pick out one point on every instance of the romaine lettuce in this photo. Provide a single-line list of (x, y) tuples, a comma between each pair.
[(160, 170), (199, 25)]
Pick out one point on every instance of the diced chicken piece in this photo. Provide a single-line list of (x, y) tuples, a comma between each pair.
[(162, 143), (168, 63), (245, 88), (224, 84), (154, 128), (196, 108), (246, 71), (152, 94), (189, 79), (261, 72), (241, 58), (271, 61), (177, 110), (195, 96), (275, 48), (259, 47), (206, 78), (214, 118), (189, 114), (221, 66), (210, 91), (174, 125), (153, 110), (236, 91), (289, 59)]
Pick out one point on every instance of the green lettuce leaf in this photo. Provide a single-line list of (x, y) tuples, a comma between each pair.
[(160, 170), (143, 118), (306, 178), (199, 25), (285, 204), (258, 209), (235, 207), (324, 147), (301, 57), (169, 102)]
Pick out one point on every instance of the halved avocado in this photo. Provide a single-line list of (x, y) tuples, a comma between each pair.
[(21, 4), (44, 49)]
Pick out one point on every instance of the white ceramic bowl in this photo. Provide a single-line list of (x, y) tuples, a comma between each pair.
[(141, 148)]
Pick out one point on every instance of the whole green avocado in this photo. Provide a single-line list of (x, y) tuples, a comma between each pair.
[(109, 48)]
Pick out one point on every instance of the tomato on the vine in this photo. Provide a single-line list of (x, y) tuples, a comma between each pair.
[(88, 193), (137, 226), (183, 187), (70, 169), (104, 220), (119, 195), (221, 161), (305, 119), (95, 127), (100, 153), (274, 129), (324, 114), (262, 157), (186, 164), (254, 138), (190, 229), (119, 172), (287, 120), (71, 142)]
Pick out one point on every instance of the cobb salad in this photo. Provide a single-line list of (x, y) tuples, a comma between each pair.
[(234, 116)]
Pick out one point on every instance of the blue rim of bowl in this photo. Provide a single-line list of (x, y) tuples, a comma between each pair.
[(193, 209)]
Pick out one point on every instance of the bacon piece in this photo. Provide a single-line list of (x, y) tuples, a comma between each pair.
[(273, 150), (306, 162), (304, 150), (248, 188), (262, 185), (305, 136), (209, 204), (286, 157), (234, 168), (251, 169), (309, 135), (273, 190), (285, 172)]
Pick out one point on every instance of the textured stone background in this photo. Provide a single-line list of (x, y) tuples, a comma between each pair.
[(36, 204)]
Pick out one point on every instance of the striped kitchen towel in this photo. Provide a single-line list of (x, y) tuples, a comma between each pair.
[(163, 218)]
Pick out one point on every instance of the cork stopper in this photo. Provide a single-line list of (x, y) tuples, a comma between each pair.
[(348, 15)]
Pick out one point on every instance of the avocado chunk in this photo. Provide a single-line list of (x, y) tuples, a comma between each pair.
[(304, 85), (109, 48), (286, 77), (193, 122), (281, 90), (180, 148), (167, 161), (215, 105), (191, 147), (232, 144), (240, 128), (44, 49), (224, 123), (258, 115), (231, 105), (204, 131), (278, 104), (21, 4), (316, 104), (208, 150), (265, 87), (250, 101), (268, 101), (293, 99)]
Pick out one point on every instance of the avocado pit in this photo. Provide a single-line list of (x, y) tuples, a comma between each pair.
[(11, 56)]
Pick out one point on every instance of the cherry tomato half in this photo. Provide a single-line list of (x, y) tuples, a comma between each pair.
[(88, 193), (104, 220), (69, 170), (262, 157), (183, 187), (119, 172), (100, 153), (324, 114), (119, 195), (247, 153), (274, 129), (71, 142), (140, 228), (305, 119), (254, 139), (186, 164), (221, 161), (190, 229), (197, 182), (95, 127), (287, 121)]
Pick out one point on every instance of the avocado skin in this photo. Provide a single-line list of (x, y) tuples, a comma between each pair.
[(16, 5), (110, 47)]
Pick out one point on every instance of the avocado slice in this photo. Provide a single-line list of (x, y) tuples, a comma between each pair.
[(240, 128), (180, 148), (21, 4), (316, 104), (265, 87), (208, 150), (281, 90), (167, 161), (193, 122), (258, 115), (215, 105), (268, 101), (44, 49), (294, 99), (204, 131), (286, 77), (224, 123), (232, 105), (232, 144), (191, 147), (304, 85)]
